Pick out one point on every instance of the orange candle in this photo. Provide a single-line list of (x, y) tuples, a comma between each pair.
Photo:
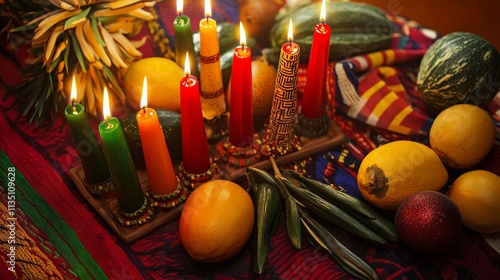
[(161, 174)]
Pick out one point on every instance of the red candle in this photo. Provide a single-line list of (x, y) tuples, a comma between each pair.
[(241, 115), (314, 97), (161, 174), (195, 156)]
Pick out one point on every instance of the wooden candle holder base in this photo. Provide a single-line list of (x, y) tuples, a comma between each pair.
[(106, 205), (309, 147)]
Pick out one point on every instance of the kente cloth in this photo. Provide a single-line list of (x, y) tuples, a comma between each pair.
[(58, 235)]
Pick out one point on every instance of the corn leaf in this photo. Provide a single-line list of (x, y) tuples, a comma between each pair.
[(78, 53), (76, 18), (95, 29)]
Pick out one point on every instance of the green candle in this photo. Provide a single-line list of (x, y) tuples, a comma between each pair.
[(90, 152), (183, 40), (123, 174)]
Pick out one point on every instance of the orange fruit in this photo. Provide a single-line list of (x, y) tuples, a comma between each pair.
[(164, 77), (477, 196), (216, 221), (462, 135), (392, 172)]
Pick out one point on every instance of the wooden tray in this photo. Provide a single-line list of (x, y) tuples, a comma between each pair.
[(104, 207)]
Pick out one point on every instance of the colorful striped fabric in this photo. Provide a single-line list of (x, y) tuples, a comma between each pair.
[(372, 89), (384, 102)]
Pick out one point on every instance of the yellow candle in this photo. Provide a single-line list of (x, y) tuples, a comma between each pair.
[(213, 102), (161, 174)]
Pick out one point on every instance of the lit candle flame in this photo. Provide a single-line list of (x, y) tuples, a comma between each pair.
[(73, 91), (187, 69), (180, 5), (290, 31), (243, 37), (322, 15), (208, 9), (106, 111), (144, 98)]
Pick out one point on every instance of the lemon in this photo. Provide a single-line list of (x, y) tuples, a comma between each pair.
[(216, 221), (477, 196), (392, 172), (462, 135), (164, 77)]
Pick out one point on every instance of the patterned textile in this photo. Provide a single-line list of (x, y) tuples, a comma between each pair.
[(385, 96), (59, 236)]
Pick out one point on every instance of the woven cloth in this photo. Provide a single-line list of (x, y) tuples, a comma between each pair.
[(59, 236)]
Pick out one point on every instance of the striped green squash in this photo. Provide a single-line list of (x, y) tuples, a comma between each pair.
[(357, 28), (459, 68)]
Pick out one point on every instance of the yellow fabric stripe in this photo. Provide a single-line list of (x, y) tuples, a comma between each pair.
[(377, 59), (387, 71), (390, 56), (369, 92), (398, 119), (365, 96), (397, 88), (384, 104)]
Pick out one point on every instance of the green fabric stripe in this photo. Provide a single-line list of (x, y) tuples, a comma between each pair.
[(52, 224)]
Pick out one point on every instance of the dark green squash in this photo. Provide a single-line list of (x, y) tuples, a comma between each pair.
[(459, 68), (171, 125), (357, 28)]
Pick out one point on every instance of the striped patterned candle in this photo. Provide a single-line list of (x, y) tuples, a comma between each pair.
[(279, 138)]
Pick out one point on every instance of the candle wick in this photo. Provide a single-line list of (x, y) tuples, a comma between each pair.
[(73, 105), (207, 18), (108, 125), (144, 109)]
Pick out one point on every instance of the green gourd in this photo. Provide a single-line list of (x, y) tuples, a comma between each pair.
[(357, 28), (459, 67)]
